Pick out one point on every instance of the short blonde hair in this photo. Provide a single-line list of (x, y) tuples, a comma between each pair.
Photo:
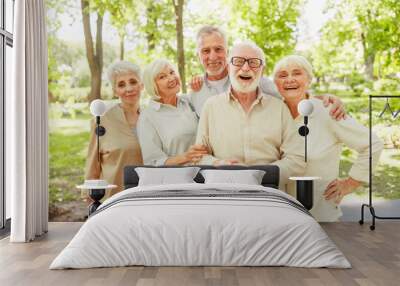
[(121, 68), (149, 75), (247, 44), (297, 60)]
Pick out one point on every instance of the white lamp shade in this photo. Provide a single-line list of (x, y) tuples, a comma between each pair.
[(305, 107), (97, 107)]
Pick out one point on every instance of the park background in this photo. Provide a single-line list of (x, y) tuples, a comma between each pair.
[(353, 45)]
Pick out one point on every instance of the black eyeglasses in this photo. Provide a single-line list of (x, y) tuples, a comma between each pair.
[(253, 62)]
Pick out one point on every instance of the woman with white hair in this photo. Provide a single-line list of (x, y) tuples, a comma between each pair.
[(293, 76), (119, 146), (167, 127)]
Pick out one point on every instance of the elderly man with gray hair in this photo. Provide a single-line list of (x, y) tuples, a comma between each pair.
[(243, 126)]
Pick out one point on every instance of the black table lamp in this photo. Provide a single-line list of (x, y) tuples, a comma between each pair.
[(97, 109), (305, 185), (305, 108)]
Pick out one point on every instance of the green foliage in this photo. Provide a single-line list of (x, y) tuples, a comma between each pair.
[(362, 36), (384, 181), (359, 45), (69, 76), (55, 47), (271, 24)]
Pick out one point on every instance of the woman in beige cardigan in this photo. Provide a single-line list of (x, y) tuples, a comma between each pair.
[(119, 146)]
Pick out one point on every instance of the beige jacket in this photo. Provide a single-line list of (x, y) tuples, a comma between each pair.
[(119, 147)]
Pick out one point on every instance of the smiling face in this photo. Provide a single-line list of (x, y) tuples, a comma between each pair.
[(212, 53), (167, 82), (292, 82), (245, 78), (128, 87)]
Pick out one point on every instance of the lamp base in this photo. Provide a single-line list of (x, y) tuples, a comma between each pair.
[(96, 195), (305, 193), (305, 190)]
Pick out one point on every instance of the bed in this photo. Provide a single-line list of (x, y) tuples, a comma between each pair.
[(198, 224)]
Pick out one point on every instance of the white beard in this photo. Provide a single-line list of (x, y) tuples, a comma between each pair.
[(238, 86)]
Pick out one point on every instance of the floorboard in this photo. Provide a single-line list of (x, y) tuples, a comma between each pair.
[(374, 255)]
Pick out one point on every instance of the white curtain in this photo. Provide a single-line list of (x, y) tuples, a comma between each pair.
[(27, 124)]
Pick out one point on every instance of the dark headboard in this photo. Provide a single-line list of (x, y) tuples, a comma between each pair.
[(270, 179)]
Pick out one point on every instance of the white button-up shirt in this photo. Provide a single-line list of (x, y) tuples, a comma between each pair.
[(325, 142), (267, 134)]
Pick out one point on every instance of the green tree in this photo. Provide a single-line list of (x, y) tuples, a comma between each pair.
[(372, 28), (271, 24), (54, 9), (122, 13)]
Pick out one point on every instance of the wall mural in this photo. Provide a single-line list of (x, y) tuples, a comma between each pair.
[(181, 87)]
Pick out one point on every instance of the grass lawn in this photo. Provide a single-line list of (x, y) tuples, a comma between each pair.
[(67, 161), (385, 180)]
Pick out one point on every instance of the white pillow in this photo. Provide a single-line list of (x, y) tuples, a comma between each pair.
[(165, 176), (248, 177)]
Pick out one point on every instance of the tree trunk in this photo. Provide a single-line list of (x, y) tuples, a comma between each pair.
[(369, 66), (121, 46), (95, 87), (178, 7), (149, 31), (369, 59), (94, 57)]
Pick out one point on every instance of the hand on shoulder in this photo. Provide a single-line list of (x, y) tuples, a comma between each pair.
[(337, 109), (196, 83)]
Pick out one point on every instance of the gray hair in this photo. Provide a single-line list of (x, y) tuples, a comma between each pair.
[(121, 68), (149, 74), (209, 30), (247, 44), (297, 60)]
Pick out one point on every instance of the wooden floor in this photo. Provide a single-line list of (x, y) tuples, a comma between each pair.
[(374, 255)]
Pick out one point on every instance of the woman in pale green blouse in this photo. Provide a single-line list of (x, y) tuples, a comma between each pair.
[(293, 75), (167, 127)]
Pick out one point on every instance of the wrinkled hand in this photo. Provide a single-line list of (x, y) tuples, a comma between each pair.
[(195, 153), (226, 162), (338, 188), (196, 83), (337, 110)]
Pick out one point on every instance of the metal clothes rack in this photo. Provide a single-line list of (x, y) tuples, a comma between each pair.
[(370, 205)]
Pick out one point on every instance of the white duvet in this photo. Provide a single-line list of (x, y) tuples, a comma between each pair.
[(185, 231)]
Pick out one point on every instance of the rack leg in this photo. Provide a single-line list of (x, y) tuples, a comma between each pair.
[(361, 221), (372, 210)]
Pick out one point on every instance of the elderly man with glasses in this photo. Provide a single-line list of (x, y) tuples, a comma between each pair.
[(243, 126)]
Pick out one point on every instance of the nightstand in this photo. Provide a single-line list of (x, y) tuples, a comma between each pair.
[(97, 191), (305, 190)]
